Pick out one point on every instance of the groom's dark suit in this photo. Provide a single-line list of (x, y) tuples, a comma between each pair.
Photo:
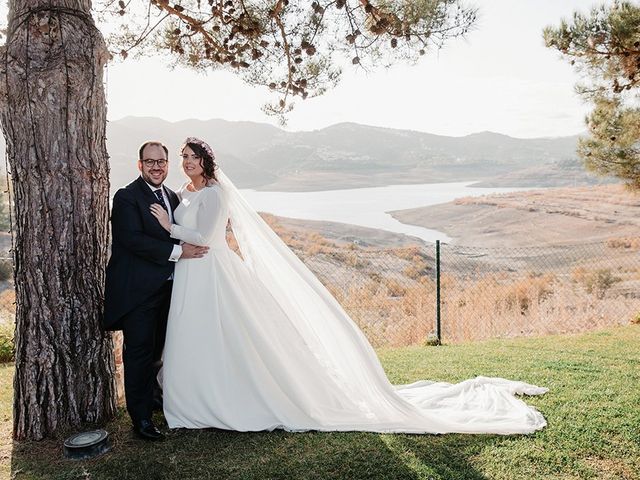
[(138, 290)]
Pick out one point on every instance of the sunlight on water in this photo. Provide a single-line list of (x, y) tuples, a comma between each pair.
[(367, 207)]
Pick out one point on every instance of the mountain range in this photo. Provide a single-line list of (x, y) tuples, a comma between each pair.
[(349, 155)]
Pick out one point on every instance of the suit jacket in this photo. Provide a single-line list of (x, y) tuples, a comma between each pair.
[(140, 251)]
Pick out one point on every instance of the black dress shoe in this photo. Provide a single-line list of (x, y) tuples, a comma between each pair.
[(146, 430)]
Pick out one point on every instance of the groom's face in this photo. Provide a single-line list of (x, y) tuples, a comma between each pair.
[(151, 171)]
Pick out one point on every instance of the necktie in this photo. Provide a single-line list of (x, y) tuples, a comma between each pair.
[(160, 198)]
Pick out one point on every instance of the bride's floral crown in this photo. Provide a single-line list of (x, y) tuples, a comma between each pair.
[(205, 146)]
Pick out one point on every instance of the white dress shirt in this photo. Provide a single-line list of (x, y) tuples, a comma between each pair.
[(176, 253)]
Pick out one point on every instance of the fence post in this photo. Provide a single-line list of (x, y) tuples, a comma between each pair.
[(438, 329)]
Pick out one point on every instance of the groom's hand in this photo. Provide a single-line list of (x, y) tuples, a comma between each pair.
[(193, 251)]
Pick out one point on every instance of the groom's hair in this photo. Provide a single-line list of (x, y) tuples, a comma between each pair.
[(150, 143)]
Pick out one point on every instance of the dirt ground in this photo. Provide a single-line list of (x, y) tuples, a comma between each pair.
[(534, 218)]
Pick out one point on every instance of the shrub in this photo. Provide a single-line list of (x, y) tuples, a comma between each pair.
[(7, 348), (7, 304), (408, 253), (522, 293), (431, 340), (625, 243), (596, 282), (395, 288), (416, 270), (5, 224), (6, 269)]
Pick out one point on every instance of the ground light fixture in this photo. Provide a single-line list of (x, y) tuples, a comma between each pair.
[(84, 445)]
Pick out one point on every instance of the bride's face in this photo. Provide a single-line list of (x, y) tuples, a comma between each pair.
[(191, 163)]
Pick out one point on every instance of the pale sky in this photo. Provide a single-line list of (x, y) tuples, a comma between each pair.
[(500, 78)]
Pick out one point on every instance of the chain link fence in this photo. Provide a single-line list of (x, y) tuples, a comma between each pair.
[(484, 293), (7, 308), (510, 292), (392, 294)]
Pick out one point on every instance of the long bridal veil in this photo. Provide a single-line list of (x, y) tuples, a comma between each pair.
[(479, 405)]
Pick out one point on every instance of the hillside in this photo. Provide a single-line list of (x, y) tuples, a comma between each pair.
[(532, 218), (522, 263), (349, 155)]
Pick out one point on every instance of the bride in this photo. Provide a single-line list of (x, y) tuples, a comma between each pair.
[(258, 343)]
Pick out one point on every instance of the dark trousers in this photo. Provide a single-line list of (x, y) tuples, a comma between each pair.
[(144, 330)]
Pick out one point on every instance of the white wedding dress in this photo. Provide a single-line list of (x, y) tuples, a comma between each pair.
[(258, 343)]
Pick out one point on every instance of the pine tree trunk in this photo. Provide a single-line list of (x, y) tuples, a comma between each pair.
[(53, 114)]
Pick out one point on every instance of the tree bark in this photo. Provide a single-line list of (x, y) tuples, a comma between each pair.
[(53, 115)]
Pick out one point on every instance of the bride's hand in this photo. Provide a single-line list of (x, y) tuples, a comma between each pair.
[(162, 216)]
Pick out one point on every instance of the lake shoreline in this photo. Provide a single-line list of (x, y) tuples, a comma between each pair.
[(346, 234), (534, 217), (531, 218), (367, 207)]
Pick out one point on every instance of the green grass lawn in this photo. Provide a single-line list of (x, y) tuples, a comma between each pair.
[(593, 410)]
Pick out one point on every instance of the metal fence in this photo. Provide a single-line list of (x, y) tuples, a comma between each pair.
[(392, 294), (483, 292), (7, 293)]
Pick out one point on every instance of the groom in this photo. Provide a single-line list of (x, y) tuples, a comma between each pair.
[(139, 280)]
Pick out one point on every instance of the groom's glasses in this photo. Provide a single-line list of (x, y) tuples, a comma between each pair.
[(149, 162)]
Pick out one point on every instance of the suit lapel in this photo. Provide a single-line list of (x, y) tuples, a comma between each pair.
[(146, 191), (149, 198)]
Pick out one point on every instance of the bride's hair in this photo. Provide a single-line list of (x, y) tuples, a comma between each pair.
[(207, 158)]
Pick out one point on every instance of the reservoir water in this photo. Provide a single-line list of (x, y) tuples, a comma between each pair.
[(367, 207)]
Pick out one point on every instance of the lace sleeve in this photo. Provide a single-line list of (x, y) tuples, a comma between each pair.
[(207, 218)]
